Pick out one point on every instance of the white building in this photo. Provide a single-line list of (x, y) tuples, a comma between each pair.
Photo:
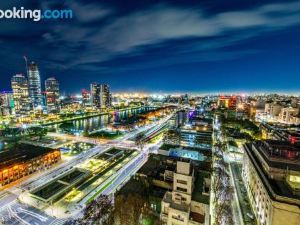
[(186, 204), (289, 115), (271, 173), (273, 109)]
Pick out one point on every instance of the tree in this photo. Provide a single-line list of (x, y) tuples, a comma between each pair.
[(138, 205), (172, 137), (66, 126), (223, 192), (98, 212), (121, 213), (129, 210), (37, 131), (139, 140)]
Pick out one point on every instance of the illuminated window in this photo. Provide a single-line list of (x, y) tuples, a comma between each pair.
[(295, 179)]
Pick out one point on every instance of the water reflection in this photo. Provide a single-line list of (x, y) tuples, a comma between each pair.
[(98, 122), (91, 124)]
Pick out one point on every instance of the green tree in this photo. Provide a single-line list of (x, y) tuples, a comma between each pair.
[(38, 132), (140, 140)]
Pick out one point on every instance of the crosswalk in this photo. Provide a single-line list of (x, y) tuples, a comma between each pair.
[(59, 222)]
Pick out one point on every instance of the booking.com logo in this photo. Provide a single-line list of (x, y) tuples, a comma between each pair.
[(36, 14)]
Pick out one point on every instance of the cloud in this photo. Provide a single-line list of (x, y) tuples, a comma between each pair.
[(281, 7), (99, 33), (153, 26), (164, 23), (89, 12), (175, 60), (241, 20)]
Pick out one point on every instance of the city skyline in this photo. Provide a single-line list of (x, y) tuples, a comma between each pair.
[(152, 112), (173, 46)]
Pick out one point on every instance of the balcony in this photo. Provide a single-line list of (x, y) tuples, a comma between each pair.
[(180, 207)]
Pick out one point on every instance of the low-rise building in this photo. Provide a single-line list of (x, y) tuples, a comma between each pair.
[(271, 172), (199, 136), (273, 109), (6, 103), (227, 102), (23, 160), (289, 115)]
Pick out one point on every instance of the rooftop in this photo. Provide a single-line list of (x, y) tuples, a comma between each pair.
[(278, 189), (279, 154), (181, 207), (21, 153), (156, 165), (58, 187), (204, 151)]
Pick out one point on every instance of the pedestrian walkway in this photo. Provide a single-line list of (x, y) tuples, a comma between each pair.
[(59, 222), (247, 213)]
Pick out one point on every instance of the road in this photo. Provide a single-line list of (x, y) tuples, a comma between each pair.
[(13, 212), (16, 213), (130, 169), (242, 194), (241, 208), (218, 137)]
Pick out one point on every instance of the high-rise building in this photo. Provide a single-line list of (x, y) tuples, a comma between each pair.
[(34, 83), (95, 95), (19, 85), (52, 94), (100, 96), (86, 98)]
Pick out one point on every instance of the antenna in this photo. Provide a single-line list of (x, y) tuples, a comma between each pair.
[(26, 64)]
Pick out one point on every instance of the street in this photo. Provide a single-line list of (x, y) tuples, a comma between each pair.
[(14, 212)]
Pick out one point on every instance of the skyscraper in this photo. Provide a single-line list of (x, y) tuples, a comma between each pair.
[(19, 85), (86, 98), (52, 94), (105, 96), (34, 82), (100, 96)]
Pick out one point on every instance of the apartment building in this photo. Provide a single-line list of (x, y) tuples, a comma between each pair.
[(185, 204), (271, 173), (289, 115)]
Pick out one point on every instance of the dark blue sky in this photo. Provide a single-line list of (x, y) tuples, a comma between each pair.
[(194, 46)]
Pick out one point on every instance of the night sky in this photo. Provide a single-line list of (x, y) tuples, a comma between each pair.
[(151, 45)]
